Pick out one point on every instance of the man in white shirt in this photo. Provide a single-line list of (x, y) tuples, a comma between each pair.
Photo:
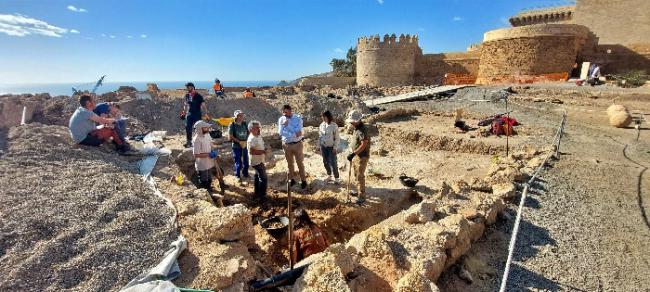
[(290, 129), (203, 154), (257, 153)]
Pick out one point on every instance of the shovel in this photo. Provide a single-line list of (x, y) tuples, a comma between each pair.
[(349, 179)]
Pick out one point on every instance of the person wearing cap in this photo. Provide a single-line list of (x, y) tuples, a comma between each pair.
[(113, 110), (257, 152), (194, 109), (205, 158), (360, 155), (218, 88), (290, 129), (238, 132), (248, 93)]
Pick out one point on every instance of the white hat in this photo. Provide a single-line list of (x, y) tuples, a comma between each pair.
[(202, 124), (354, 116), (237, 112)]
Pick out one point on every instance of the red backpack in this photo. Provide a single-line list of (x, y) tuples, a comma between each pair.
[(497, 127)]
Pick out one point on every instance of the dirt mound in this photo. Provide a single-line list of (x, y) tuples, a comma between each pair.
[(75, 218), (312, 106)]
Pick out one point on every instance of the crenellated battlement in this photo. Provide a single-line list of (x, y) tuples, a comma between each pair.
[(389, 41)]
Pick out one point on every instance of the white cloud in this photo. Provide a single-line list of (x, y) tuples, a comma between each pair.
[(20, 26), (103, 35), (74, 31), (381, 2), (75, 9), (89, 38), (338, 50), (112, 36), (144, 36), (457, 18), (129, 36)]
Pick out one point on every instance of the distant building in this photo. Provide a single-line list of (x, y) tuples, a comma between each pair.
[(542, 45)]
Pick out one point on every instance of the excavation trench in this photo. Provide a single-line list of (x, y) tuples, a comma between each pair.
[(420, 146)]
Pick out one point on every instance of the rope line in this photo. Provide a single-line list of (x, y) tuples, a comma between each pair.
[(513, 239)]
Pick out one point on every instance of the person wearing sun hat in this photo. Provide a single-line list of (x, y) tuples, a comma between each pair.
[(360, 155)]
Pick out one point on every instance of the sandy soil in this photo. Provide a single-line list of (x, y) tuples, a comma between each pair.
[(585, 225), (73, 217)]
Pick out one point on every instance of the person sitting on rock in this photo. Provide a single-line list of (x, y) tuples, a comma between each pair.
[(206, 160), (248, 93), (84, 129), (308, 238), (112, 110)]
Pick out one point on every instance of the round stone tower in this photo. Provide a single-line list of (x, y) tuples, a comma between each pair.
[(389, 62), (529, 51)]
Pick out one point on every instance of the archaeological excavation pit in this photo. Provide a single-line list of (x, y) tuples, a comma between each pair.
[(398, 236)]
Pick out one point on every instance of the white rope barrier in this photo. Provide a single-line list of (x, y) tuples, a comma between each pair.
[(515, 231)]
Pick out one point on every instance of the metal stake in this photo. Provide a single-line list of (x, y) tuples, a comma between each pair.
[(289, 209)]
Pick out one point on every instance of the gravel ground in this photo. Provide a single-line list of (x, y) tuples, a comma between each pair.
[(74, 218), (583, 227)]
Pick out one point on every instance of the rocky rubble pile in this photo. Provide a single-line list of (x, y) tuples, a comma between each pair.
[(409, 250), (74, 217)]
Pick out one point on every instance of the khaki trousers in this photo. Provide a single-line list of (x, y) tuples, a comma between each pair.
[(359, 165), (293, 152)]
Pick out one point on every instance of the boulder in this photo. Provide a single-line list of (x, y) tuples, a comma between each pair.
[(328, 271), (504, 190), (415, 282), (616, 108), (232, 223), (620, 119), (420, 213), (220, 266)]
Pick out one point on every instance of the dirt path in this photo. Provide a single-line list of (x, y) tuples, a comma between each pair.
[(585, 225)]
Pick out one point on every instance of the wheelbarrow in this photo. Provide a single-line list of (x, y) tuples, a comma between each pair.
[(276, 226)]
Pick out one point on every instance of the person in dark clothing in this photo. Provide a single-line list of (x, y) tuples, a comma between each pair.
[(308, 238), (238, 133), (112, 110), (194, 109)]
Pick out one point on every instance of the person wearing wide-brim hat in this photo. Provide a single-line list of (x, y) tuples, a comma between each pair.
[(360, 146)]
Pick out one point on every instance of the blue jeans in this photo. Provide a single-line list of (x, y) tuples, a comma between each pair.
[(240, 155), (189, 125), (120, 127), (329, 160), (260, 180)]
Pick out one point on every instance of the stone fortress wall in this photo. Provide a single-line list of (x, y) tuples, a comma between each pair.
[(622, 22), (527, 52), (543, 45), (387, 62), (397, 61)]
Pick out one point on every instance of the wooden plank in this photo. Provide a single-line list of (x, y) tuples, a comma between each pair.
[(414, 95)]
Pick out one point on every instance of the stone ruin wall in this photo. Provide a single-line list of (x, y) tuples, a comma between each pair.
[(334, 82), (622, 22), (432, 68), (548, 51), (390, 62)]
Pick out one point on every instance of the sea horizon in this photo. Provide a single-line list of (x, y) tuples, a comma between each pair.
[(65, 88)]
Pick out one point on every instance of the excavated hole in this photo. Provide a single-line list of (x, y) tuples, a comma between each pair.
[(422, 146)]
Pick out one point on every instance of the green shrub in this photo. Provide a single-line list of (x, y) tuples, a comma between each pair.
[(634, 78)]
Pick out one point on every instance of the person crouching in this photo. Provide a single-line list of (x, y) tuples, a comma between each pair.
[(257, 153)]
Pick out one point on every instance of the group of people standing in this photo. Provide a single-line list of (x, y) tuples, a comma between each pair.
[(249, 149)]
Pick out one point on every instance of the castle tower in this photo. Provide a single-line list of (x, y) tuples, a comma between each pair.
[(623, 22), (389, 62)]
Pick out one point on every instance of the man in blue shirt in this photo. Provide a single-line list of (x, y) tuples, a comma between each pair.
[(194, 109), (290, 129), (112, 110)]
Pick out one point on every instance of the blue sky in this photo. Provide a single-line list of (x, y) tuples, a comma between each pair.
[(50, 41)]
